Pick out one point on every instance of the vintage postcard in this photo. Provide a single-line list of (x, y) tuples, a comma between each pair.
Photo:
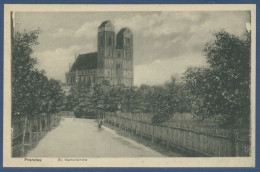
[(129, 85)]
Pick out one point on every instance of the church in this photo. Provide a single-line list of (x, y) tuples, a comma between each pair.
[(111, 65)]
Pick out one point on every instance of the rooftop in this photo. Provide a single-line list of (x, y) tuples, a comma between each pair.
[(85, 62), (107, 23)]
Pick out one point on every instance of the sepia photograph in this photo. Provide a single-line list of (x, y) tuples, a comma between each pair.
[(129, 85)]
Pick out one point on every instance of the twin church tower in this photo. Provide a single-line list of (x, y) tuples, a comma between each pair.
[(112, 64)]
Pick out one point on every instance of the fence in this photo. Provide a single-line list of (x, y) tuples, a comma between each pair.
[(197, 141), (26, 132)]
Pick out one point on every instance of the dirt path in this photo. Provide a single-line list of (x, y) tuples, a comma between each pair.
[(80, 138)]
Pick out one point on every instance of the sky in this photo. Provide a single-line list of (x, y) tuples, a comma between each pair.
[(165, 43)]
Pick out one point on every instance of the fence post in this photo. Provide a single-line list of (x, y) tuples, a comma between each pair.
[(24, 132), (153, 134), (233, 142), (31, 132), (119, 121), (37, 132), (167, 140), (45, 120), (133, 123), (125, 123), (40, 125), (48, 121), (115, 121), (141, 125), (161, 135)]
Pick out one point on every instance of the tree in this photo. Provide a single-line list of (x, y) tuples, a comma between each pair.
[(167, 100), (80, 100), (222, 90), (32, 92), (55, 97), (113, 98), (22, 70)]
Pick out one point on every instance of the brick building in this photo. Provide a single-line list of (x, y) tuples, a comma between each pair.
[(112, 64)]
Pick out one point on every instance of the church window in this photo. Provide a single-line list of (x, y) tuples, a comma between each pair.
[(102, 40), (128, 42), (109, 41)]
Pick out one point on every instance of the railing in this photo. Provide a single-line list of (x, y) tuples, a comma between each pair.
[(26, 132), (199, 142)]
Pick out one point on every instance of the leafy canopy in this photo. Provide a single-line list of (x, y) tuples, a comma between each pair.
[(32, 92), (222, 90)]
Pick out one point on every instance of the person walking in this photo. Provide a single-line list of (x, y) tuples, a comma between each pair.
[(100, 123)]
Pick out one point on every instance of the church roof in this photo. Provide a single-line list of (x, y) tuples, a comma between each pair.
[(107, 23), (85, 62), (125, 30)]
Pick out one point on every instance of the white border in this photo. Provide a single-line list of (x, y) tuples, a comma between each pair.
[(8, 161)]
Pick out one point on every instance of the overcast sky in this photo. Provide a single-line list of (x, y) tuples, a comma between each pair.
[(165, 43)]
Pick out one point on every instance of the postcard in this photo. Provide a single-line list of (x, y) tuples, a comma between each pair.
[(129, 85)]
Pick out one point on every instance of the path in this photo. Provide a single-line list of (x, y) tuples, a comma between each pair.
[(80, 138)]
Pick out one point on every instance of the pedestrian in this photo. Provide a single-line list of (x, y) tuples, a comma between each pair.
[(99, 126), (100, 123)]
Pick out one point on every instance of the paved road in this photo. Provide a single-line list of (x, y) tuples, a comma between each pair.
[(80, 138)]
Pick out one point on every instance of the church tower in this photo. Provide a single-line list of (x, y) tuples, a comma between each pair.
[(106, 43), (124, 43), (124, 40)]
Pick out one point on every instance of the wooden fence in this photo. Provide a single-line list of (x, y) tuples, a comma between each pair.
[(26, 132), (197, 141)]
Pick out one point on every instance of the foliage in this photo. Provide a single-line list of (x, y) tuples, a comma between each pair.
[(222, 90), (168, 100), (161, 101), (32, 92), (55, 96)]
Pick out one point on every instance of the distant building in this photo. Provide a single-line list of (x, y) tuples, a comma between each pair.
[(65, 88), (112, 64)]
